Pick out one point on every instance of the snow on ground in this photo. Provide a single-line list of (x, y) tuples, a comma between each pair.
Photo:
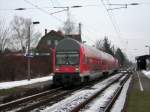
[(76, 98), (147, 73), (12, 84), (100, 102), (119, 104)]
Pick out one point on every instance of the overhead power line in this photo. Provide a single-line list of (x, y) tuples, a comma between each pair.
[(120, 6), (114, 21), (42, 10), (46, 7), (116, 28), (29, 8), (94, 5)]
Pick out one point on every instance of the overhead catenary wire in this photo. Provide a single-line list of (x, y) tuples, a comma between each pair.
[(114, 22), (29, 8), (46, 7), (48, 12), (84, 35), (53, 5), (89, 29), (116, 28), (44, 11)]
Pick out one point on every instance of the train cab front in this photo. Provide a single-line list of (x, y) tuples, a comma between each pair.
[(67, 68)]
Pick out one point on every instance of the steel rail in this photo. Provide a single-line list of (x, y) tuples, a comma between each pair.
[(54, 98), (48, 100), (25, 99), (42, 102), (117, 93), (11, 105), (82, 105)]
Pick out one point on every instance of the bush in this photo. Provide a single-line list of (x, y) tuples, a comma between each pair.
[(13, 67)]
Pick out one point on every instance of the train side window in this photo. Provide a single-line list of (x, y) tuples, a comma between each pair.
[(103, 62), (88, 60)]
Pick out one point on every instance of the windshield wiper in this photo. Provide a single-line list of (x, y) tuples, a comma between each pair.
[(67, 60)]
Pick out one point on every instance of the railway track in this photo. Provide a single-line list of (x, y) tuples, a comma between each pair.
[(50, 100), (30, 102), (48, 97), (106, 107), (81, 100), (23, 101)]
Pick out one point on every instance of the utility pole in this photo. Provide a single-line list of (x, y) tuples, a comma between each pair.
[(80, 30), (28, 50), (29, 75), (29, 53), (67, 9)]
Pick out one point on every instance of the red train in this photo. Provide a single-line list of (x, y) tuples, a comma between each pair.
[(76, 63)]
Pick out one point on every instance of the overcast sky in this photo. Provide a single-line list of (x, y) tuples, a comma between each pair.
[(127, 28)]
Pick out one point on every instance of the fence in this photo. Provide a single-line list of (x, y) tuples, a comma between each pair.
[(14, 67)]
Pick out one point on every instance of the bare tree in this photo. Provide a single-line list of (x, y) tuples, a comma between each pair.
[(20, 33), (4, 36), (68, 27)]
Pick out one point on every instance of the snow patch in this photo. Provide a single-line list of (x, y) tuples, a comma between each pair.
[(146, 73), (119, 104), (100, 102), (12, 84)]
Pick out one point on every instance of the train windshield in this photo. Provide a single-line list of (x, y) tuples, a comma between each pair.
[(67, 58)]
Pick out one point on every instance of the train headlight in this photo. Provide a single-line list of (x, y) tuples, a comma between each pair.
[(77, 69), (57, 69)]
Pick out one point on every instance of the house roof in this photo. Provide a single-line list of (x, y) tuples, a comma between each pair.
[(142, 57), (45, 42), (52, 32), (75, 36), (60, 34)]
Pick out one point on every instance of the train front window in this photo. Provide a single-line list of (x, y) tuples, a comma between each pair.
[(67, 58)]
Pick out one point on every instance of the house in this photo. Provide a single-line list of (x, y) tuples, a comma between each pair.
[(51, 39), (142, 62)]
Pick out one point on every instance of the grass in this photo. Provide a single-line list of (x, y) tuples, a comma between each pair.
[(139, 101), (7, 91)]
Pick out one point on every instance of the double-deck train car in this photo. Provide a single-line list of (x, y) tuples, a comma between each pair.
[(76, 62)]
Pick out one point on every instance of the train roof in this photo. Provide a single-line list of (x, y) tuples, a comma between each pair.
[(68, 44), (92, 51)]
